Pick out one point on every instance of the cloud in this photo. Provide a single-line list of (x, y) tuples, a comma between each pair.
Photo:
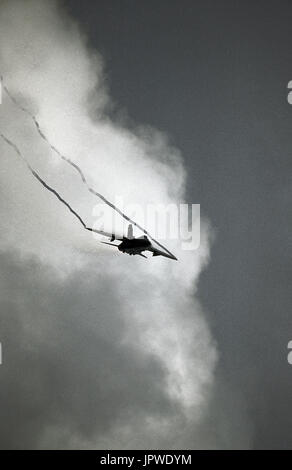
[(100, 350)]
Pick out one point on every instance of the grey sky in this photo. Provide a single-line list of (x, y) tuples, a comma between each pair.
[(214, 76)]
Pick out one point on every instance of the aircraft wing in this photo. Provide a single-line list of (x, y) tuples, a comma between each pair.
[(112, 236), (111, 244), (157, 252)]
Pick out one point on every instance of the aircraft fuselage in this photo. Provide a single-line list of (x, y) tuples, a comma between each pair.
[(135, 245)]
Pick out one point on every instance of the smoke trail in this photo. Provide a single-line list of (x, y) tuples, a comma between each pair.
[(49, 188), (78, 169)]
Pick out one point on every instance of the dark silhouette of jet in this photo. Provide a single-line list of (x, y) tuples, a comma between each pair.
[(135, 246)]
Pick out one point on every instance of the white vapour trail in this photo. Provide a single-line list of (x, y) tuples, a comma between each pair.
[(46, 186), (44, 59)]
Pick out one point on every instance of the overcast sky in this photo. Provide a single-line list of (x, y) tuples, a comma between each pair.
[(213, 77)]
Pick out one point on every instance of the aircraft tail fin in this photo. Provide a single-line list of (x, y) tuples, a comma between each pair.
[(130, 232)]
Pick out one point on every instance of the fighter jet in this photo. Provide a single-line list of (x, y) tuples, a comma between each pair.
[(136, 246)]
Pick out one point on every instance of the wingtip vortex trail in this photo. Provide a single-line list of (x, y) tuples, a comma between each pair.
[(81, 174)]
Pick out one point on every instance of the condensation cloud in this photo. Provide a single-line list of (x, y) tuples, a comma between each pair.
[(133, 331)]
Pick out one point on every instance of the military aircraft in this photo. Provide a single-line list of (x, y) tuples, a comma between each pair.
[(135, 246)]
